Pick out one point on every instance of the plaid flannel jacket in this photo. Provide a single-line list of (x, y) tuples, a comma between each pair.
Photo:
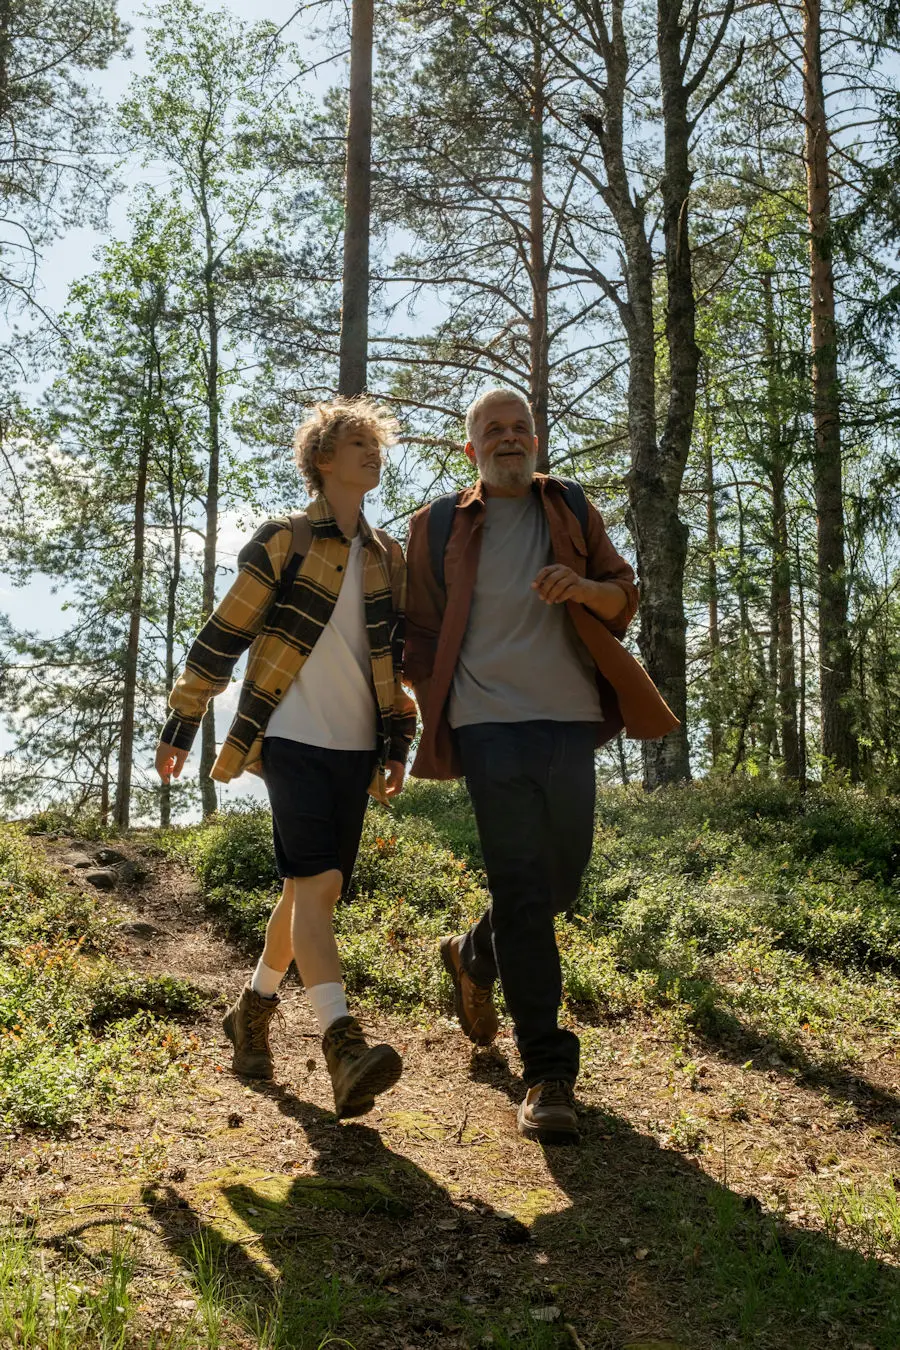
[(281, 631)]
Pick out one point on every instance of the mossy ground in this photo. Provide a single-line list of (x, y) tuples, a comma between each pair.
[(732, 971)]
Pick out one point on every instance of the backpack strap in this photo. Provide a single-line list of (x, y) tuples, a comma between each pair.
[(577, 503), (394, 573), (301, 538), (440, 526), (443, 509)]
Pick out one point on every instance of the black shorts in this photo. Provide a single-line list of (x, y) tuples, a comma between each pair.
[(318, 799)]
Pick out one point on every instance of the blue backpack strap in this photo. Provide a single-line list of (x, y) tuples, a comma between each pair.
[(577, 503), (440, 525)]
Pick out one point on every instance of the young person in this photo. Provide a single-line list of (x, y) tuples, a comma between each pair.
[(321, 715), (514, 609)]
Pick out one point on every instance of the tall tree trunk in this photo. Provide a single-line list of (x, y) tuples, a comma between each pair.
[(712, 575), (540, 348), (665, 641), (208, 727), (782, 622), (126, 733), (658, 455), (5, 12), (165, 800), (839, 746), (357, 211), (801, 621)]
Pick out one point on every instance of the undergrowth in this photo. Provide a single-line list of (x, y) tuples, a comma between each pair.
[(76, 1032), (765, 915)]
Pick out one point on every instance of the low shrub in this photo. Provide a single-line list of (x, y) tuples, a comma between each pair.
[(56, 1066)]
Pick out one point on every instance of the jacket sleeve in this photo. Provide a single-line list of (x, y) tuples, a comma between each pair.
[(227, 633), (424, 606), (605, 563), (403, 719)]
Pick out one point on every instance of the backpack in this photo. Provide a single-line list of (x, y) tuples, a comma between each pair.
[(443, 509), (301, 538)]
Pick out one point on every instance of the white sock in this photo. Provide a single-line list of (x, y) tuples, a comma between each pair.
[(265, 980), (328, 1003)]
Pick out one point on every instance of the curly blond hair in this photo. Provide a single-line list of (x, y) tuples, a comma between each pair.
[(314, 440)]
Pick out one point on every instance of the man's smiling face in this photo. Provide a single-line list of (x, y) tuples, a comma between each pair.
[(503, 444)]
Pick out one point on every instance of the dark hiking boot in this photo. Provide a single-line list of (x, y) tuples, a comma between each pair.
[(358, 1071), (473, 1003), (547, 1114), (246, 1024)]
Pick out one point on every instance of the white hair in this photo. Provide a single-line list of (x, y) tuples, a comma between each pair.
[(497, 395)]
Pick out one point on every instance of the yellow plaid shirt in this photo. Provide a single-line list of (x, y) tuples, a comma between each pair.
[(281, 626)]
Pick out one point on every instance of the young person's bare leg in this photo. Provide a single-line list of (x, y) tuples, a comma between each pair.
[(278, 951), (314, 946), (358, 1071)]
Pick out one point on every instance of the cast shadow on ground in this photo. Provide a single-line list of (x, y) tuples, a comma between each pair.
[(650, 1237), (364, 1244), (367, 1245), (726, 1036)]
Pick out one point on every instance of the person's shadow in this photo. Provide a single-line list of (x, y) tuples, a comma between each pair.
[(654, 1252), (364, 1245)]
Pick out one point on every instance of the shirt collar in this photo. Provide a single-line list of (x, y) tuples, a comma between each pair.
[(324, 526), (475, 496)]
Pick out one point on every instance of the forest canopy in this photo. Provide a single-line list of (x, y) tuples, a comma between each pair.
[(673, 227)]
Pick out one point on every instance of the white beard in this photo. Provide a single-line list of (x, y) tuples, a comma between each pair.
[(500, 474)]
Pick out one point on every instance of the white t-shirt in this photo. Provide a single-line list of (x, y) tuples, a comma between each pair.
[(331, 703)]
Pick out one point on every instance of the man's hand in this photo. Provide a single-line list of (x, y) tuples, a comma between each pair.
[(169, 761), (556, 584), (396, 772)]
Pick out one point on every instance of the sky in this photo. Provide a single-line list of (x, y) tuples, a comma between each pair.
[(39, 605)]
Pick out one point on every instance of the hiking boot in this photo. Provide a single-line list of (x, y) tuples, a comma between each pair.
[(246, 1024), (358, 1071), (473, 1003), (548, 1113)]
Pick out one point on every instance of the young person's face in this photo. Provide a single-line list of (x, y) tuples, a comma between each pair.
[(355, 461), (503, 444)]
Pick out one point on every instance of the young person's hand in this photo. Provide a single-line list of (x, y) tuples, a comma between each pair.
[(396, 772), (169, 761)]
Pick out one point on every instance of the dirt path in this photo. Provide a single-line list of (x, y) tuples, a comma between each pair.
[(430, 1223)]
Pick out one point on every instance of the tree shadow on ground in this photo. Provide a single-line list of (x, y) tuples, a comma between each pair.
[(654, 1250), (725, 1035)]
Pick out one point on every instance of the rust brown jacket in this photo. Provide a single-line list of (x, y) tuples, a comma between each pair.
[(436, 624)]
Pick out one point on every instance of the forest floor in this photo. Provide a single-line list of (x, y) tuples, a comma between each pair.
[(718, 1197)]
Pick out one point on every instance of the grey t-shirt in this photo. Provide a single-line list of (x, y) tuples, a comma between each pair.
[(520, 659)]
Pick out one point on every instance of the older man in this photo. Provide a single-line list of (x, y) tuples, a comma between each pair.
[(516, 600)]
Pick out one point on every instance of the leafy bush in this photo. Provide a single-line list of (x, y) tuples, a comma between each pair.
[(763, 913), (54, 1067)]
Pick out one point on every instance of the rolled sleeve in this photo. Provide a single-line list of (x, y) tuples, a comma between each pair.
[(605, 563)]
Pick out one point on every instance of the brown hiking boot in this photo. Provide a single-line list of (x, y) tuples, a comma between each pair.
[(246, 1024), (473, 1003), (548, 1113), (358, 1071)]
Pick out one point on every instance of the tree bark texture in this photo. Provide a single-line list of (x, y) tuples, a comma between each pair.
[(357, 208), (540, 346), (839, 746), (712, 581), (782, 622), (126, 732), (208, 727)]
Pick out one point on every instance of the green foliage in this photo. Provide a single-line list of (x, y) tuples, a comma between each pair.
[(760, 913), (54, 1066)]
